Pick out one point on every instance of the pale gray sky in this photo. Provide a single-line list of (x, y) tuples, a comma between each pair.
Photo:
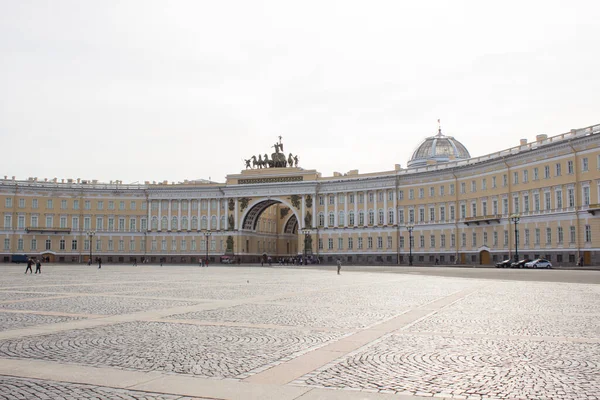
[(173, 90)]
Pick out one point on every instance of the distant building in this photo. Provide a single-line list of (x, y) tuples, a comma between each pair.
[(459, 208)]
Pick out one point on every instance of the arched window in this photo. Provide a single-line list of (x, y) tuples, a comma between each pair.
[(174, 225), (371, 217), (331, 219), (195, 223), (341, 218), (361, 218), (391, 216), (321, 219), (213, 222), (154, 223), (204, 223), (351, 218), (381, 216), (164, 223), (184, 222)]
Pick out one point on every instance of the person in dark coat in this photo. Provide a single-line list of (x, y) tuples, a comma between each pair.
[(29, 263), (38, 266), (99, 263)]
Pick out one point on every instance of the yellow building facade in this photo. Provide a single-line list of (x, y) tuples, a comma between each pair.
[(460, 210)]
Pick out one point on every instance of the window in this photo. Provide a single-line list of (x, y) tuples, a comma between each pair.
[(515, 178), (442, 213), (48, 244), (463, 211), (121, 224), (536, 202), (495, 239), (379, 242), (431, 191), (132, 224), (350, 243), (570, 167), (411, 194), (495, 207), (380, 196), (586, 195), (8, 202), (33, 244), (411, 215), (21, 222), (6, 244), (321, 221), (34, 203), (473, 209), (432, 241), (474, 239), (63, 204), (361, 218), (360, 243), (505, 238), (49, 221), (100, 205), (74, 244), (341, 218), (505, 180), (571, 197), (390, 195), (371, 217), (483, 184), (451, 213), (61, 244), (111, 245), (548, 236), (421, 215), (49, 204), (421, 193), (88, 205), (537, 236), (401, 242), (330, 244), (463, 238), (331, 219), (584, 164), (371, 197), (87, 221), (340, 243), (442, 190), (548, 205), (400, 194), (493, 182), (463, 187), (19, 244), (361, 198), (527, 236), (431, 214), (526, 203), (452, 189), (588, 234), (558, 169), (485, 238), (389, 242), (443, 241), (421, 241), (381, 216), (525, 176), (21, 203), (132, 245), (111, 205), (547, 172), (369, 242), (572, 234), (536, 174), (34, 221), (99, 223), (484, 208), (391, 216), (559, 234), (331, 199)]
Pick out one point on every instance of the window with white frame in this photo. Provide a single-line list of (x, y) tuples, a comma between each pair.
[(369, 242), (525, 176), (21, 222), (379, 242), (360, 243), (330, 244), (584, 164), (571, 197), (588, 234), (350, 243), (61, 244), (432, 241), (340, 243), (48, 244), (570, 168), (586, 195), (526, 236), (494, 238), (559, 234), (371, 217), (572, 235), (463, 239), (505, 238), (537, 236)]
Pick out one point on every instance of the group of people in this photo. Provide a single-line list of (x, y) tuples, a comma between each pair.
[(38, 265)]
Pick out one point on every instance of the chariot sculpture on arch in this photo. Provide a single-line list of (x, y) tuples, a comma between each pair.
[(277, 160)]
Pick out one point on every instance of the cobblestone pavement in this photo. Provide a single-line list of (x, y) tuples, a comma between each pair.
[(314, 316), (209, 351), (10, 320), (468, 368), (308, 329), (12, 388), (93, 305)]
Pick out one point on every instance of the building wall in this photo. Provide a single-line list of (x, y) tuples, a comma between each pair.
[(460, 212)]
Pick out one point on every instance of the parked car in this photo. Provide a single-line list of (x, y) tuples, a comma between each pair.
[(538, 263), (520, 264), (503, 264)]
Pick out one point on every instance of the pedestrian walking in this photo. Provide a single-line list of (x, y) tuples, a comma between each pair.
[(99, 263), (38, 266), (29, 263), (135, 261), (339, 265)]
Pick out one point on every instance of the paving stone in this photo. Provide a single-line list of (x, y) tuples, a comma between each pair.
[(10, 320)]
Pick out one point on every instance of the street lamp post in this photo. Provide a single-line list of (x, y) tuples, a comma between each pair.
[(515, 219), (91, 236), (207, 234), (410, 228), (306, 234)]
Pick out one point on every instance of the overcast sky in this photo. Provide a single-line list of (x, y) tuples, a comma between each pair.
[(172, 90)]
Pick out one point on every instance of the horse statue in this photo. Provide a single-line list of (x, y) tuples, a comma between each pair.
[(296, 161), (278, 160), (255, 162), (260, 161), (290, 160)]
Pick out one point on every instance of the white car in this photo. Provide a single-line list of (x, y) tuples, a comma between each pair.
[(538, 263)]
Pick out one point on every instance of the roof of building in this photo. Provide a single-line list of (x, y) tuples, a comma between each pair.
[(438, 149)]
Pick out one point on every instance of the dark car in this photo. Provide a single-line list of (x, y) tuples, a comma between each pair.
[(520, 264), (503, 264), (19, 258)]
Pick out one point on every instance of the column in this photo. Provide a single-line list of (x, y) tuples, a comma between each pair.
[(208, 225), (375, 210), (302, 224), (326, 211), (219, 214), (199, 211), (366, 206), (179, 216), (189, 214), (169, 227), (395, 198), (159, 226), (314, 209), (235, 217), (385, 210), (346, 210), (355, 208), (336, 200), (149, 206)]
